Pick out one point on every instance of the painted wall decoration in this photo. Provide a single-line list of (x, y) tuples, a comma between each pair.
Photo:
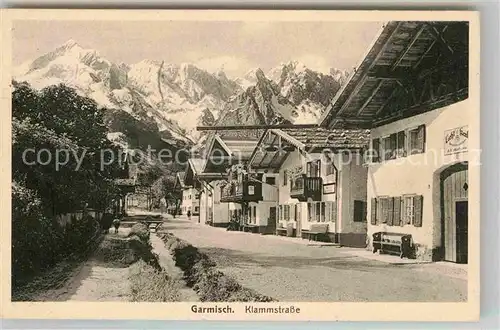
[(456, 140)]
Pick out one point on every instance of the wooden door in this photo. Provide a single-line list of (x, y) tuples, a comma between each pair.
[(454, 187), (271, 224), (461, 215)]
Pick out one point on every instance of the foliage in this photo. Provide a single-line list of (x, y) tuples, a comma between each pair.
[(140, 230), (62, 122), (150, 285)]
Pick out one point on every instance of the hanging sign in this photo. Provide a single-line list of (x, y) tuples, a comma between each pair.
[(329, 188), (456, 140)]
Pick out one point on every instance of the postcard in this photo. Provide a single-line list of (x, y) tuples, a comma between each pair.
[(240, 165)]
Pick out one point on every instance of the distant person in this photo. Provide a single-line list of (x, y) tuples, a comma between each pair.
[(116, 224), (189, 214)]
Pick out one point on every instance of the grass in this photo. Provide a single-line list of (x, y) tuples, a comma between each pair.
[(201, 274), (150, 285)]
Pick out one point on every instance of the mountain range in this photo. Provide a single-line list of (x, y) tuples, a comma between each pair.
[(173, 99)]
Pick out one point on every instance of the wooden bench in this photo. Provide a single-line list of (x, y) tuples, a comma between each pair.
[(394, 243), (285, 231), (248, 227), (317, 229)]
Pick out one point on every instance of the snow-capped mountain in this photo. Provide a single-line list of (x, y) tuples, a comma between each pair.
[(175, 98)]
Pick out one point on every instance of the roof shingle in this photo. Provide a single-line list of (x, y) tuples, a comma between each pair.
[(330, 138)]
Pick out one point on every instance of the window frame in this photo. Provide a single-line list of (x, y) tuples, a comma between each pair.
[(405, 207), (362, 212)]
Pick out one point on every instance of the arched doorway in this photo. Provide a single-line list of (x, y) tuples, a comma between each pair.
[(454, 212)]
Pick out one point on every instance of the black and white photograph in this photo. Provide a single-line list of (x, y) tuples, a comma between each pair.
[(243, 167)]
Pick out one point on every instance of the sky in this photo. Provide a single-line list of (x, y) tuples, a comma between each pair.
[(235, 46)]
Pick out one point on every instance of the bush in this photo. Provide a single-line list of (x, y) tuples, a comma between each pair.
[(38, 241), (150, 285), (140, 230)]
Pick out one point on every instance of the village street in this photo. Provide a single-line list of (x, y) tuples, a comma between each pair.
[(288, 269)]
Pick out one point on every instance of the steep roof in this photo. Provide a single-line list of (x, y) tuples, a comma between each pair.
[(330, 138), (410, 68), (275, 146)]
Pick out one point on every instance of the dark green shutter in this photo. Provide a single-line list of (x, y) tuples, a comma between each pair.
[(390, 208), (373, 218), (397, 212), (418, 203)]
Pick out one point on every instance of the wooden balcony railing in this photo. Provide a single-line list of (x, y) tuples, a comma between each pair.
[(303, 187), (241, 191)]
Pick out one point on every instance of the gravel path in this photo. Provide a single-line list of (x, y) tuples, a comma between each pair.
[(290, 271)]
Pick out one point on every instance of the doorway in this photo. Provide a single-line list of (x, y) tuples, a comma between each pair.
[(454, 213), (271, 224), (462, 211)]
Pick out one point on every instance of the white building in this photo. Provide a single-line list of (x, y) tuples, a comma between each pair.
[(411, 90), (319, 177), (190, 202), (222, 151)]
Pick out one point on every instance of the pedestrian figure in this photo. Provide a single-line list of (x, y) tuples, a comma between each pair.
[(116, 224), (189, 214)]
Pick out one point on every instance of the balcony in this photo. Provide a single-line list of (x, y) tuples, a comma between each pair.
[(303, 187), (241, 191)]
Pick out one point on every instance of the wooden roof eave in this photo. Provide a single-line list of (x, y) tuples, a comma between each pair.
[(356, 73), (276, 154)]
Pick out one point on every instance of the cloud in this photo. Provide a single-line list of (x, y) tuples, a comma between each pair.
[(315, 62), (233, 66)]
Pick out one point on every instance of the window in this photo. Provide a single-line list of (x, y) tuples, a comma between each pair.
[(401, 144), (271, 180), (395, 211), (281, 217), (322, 212), (408, 209), (389, 146), (287, 212), (313, 168), (196, 209), (330, 166), (296, 212), (285, 177), (255, 214), (416, 140), (359, 211)]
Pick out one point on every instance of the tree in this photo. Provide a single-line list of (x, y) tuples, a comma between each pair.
[(66, 125)]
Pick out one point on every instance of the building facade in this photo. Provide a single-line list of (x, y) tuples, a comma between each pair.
[(411, 90), (320, 179)]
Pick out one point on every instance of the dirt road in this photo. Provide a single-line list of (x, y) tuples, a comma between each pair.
[(297, 272)]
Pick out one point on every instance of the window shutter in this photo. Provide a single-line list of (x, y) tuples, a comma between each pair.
[(392, 145), (318, 168), (365, 211), (421, 138), (401, 144), (418, 203), (375, 150), (308, 169), (333, 215), (373, 218), (390, 211), (397, 212)]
